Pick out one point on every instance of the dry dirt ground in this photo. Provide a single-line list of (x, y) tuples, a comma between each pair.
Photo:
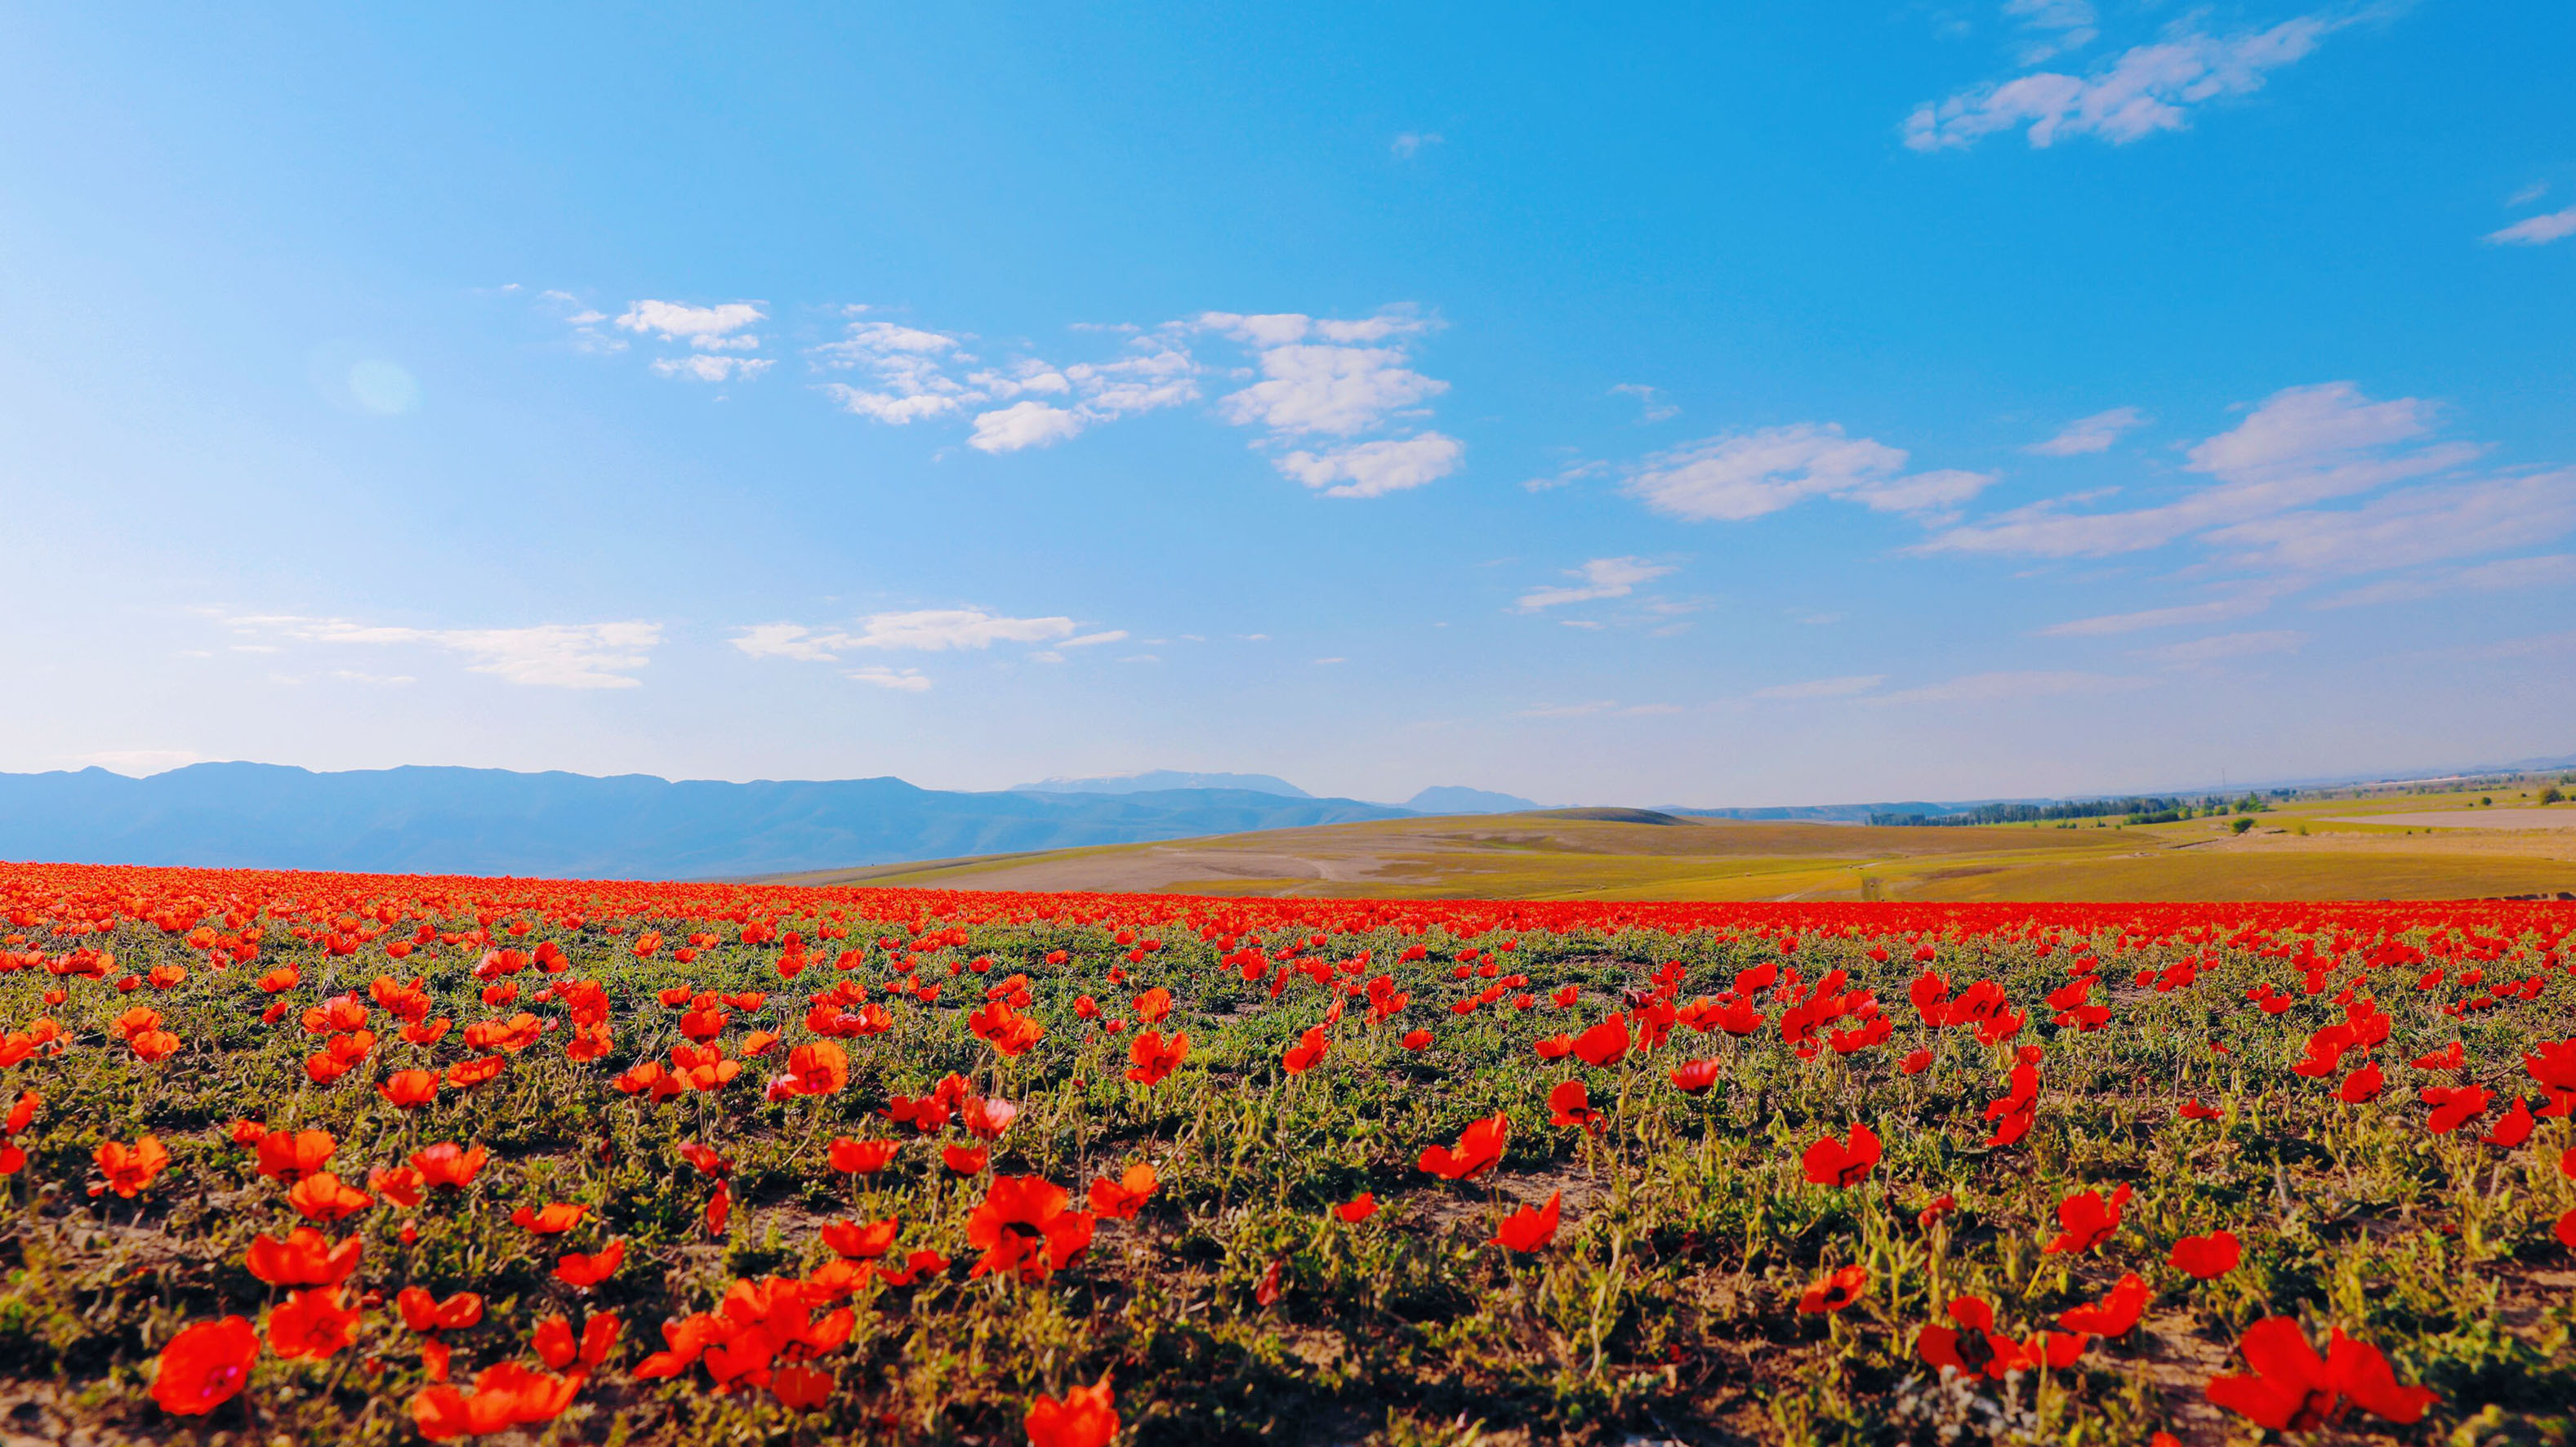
[(1636, 854)]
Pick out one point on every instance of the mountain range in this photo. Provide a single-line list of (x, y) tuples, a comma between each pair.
[(633, 826)]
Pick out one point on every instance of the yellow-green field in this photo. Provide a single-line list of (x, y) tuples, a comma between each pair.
[(2309, 849)]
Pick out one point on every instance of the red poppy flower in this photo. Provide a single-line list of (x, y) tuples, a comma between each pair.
[(1154, 1006), (1974, 1347), (1605, 1044), (305, 1258), (575, 1269), (2453, 1106), (1846, 1162), (1417, 1040), (505, 1395), (423, 1312), (1835, 1291), (2514, 1129), (2089, 1220), (2292, 1389), (323, 1197), (1119, 1200), (1310, 1047), (205, 1365), (1023, 1226), (1151, 1057), (2114, 1314), (553, 1220), (2363, 1084), (1694, 1077), (1358, 1208), (448, 1164), (2206, 1258), (311, 1323), (861, 1243), (291, 1157), (861, 1158), (1527, 1230), (400, 1185), (1083, 1417), (920, 1266), (1915, 1062), (1570, 1104), (2194, 1110), (704, 1159), (1479, 1149), (128, 1169)]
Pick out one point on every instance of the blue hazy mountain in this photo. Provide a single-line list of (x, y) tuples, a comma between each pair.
[(633, 826), (1451, 799), (1154, 780)]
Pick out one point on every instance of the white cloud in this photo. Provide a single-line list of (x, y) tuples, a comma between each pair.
[(1164, 376), (714, 327), (2537, 230), (2215, 611), (915, 374), (2528, 194), (2303, 446), (784, 640), (2147, 89), (2011, 686), (1653, 410), (1602, 578), (1844, 687), (555, 655), (1570, 710), (2200, 652), (2551, 570), (904, 680), (2071, 22), (1336, 390), (907, 367), (2411, 526), (2090, 434), (1093, 640), (1748, 474), (1410, 144), (932, 630), (1022, 425), (709, 368), (1374, 469)]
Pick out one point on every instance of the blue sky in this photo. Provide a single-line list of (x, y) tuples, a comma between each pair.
[(1787, 404)]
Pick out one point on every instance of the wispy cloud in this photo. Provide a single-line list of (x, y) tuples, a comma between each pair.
[(2216, 610), (2537, 230), (2202, 652), (570, 655), (2014, 686), (2303, 446), (2551, 570), (2090, 434), (932, 630), (1601, 578), (1742, 475), (1847, 686), (1652, 407), (1413, 143), (1374, 469), (2146, 89)]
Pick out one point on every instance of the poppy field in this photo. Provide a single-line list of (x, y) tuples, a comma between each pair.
[(307, 1157)]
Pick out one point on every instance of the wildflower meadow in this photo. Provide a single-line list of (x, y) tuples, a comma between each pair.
[(362, 1159)]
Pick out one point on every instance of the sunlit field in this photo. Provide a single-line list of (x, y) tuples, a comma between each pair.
[(330, 1158)]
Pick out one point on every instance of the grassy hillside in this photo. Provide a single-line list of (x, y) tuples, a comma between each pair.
[(2331, 849)]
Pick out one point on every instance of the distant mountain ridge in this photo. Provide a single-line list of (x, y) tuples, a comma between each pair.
[(1157, 779), (633, 826)]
